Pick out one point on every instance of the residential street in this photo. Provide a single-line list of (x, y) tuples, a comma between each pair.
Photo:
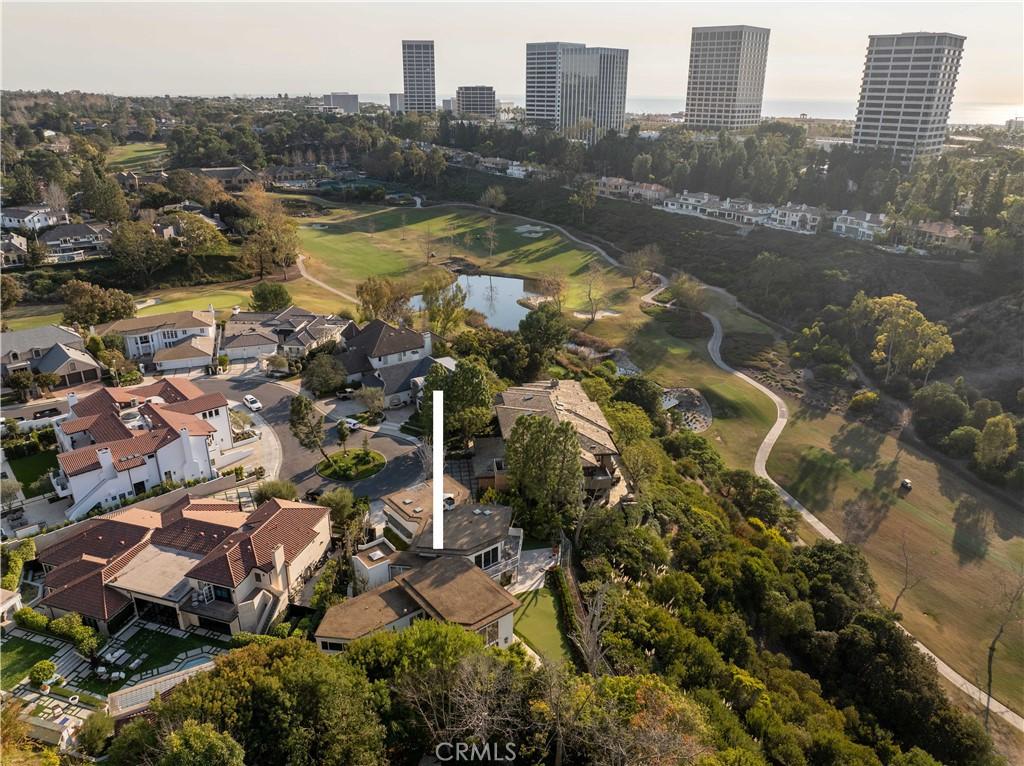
[(297, 464)]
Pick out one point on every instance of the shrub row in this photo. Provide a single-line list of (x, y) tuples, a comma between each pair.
[(559, 585), (69, 627), (14, 558)]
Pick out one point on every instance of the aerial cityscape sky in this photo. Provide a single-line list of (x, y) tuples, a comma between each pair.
[(816, 53)]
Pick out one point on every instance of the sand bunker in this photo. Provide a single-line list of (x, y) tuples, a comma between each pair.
[(531, 231)]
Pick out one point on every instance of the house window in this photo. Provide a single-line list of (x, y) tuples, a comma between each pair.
[(331, 646), (222, 594), (36, 353), (487, 559), (14, 356), (72, 366), (143, 339), (259, 577), (490, 633)]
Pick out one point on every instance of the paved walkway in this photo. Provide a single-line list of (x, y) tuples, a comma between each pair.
[(324, 285), (532, 566)]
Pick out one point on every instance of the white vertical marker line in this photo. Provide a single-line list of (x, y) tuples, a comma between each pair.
[(438, 469)]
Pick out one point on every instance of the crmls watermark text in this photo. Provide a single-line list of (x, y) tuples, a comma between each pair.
[(476, 752)]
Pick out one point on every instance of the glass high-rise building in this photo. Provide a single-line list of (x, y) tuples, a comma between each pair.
[(418, 76), (579, 91), (726, 81), (907, 92)]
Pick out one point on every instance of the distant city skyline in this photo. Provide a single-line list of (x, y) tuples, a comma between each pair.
[(816, 55)]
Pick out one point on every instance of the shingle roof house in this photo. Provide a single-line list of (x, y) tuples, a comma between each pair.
[(448, 589), (200, 562), (173, 341), (51, 348), (295, 330)]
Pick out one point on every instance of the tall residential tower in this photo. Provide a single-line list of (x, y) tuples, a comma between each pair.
[(906, 93), (726, 82), (418, 76), (579, 91)]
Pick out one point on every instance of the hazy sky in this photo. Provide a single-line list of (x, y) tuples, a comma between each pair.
[(816, 50)]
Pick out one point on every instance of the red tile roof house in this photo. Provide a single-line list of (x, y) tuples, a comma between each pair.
[(200, 562), (121, 442)]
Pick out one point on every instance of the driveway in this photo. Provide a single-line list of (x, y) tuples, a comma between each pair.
[(297, 464)]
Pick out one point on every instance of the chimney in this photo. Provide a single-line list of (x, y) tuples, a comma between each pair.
[(278, 558), (428, 343), (186, 445), (106, 459), (72, 399)]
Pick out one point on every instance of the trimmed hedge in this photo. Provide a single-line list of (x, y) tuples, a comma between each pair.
[(69, 627), (244, 638), (14, 559), (42, 672), (555, 580)]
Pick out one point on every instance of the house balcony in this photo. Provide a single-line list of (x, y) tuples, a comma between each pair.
[(60, 482), (599, 479), (510, 550), (222, 611)]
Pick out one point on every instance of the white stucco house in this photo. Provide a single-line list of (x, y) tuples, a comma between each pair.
[(174, 341), (32, 217), (803, 219), (118, 443), (859, 224)]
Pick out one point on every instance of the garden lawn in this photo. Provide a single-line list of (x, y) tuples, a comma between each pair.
[(967, 543), (160, 649), (17, 656), (353, 460), (136, 156), (537, 623), (28, 469)]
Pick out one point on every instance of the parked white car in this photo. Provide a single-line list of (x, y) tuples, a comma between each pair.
[(252, 402), (353, 424)]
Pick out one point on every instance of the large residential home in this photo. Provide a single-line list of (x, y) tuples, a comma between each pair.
[(51, 348), (235, 178), (688, 203), (130, 181), (941, 234), (742, 212), (613, 186), (396, 359), (293, 332), (74, 241), (649, 193), (803, 219), (32, 217), (118, 443), (563, 401), (14, 248), (448, 588), (175, 341), (859, 224), (478, 532), (200, 562)]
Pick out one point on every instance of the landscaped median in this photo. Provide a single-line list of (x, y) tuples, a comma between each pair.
[(351, 465)]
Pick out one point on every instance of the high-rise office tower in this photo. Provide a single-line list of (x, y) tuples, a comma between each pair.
[(580, 91), (396, 102), (726, 82), (477, 100), (544, 81), (418, 76), (906, 93)]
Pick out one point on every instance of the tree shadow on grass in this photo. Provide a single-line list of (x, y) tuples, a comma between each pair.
[(817, 475), (863, 515), (857, 443), (971, 532)]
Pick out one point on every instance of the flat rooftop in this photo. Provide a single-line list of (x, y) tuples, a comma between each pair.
[(158, 572)]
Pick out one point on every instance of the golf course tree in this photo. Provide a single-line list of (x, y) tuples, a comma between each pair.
[(381, 298), (87, 304), (10, 292), (444, 304), (307, 425), (269, 296), (583, 196), (138, 252), (546, 474), (543, 330), (494, 197), (643, 262)]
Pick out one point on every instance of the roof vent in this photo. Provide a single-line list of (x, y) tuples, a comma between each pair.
[(476, 511), (488, 512), (376, 556), (406, 501), (418, 509)]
